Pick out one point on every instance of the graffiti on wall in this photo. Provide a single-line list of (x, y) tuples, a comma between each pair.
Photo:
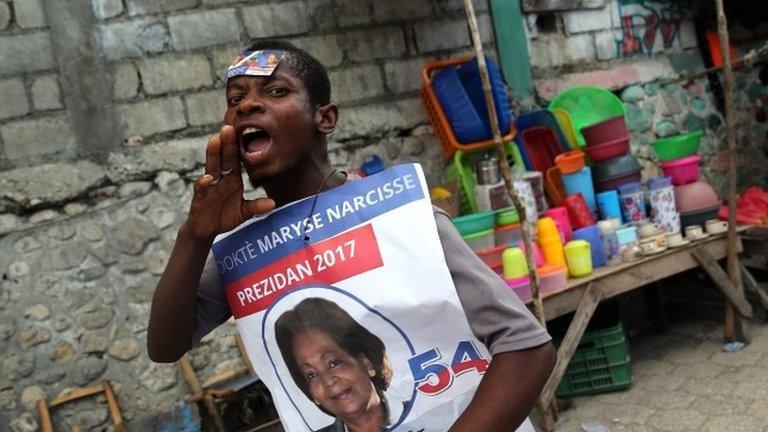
[(649, 26)]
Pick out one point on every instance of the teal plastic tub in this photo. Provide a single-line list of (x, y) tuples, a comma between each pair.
[(475, 223)]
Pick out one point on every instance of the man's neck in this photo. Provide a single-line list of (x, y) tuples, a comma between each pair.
[(308, 177)]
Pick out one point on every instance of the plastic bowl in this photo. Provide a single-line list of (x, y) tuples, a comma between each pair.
[(695, 196), (570, 162), (608, 150), (698, 217), (614, 183), (474, 223), (682, 171), (610, 130), (615, 168), (588, 105), (507, 216), (678, 146)]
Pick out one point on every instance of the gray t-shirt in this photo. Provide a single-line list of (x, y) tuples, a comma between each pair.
[(496, 315)]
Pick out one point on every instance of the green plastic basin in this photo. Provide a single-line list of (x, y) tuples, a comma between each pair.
[(588, 105), (678, 146), (474, 223)]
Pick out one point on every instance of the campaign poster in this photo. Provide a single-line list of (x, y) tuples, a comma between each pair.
[(348, 312)]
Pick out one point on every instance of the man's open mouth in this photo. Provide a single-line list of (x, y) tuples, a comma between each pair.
[(254, 140)]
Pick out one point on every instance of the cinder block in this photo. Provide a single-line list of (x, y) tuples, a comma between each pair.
[(401, 10), (152, 116), (357, 12), (458, 6), (29, 13), (371, 120), (26, 53), (356, 83), (403, 75), (556, 50), (560, 5), (606, 47), (377, 43), (203, 29), (134, 38), (5, 15), (325, 48), (125, 80), (277, 19), (206, 108), (442, 35), (104, 9), (46, 93), (144, 7), (219, 2), (13, 98), (587, 20), (30, 138), (688, 35), (222, 58), (174, 73)]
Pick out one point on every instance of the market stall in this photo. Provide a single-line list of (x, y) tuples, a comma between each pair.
[(579, 226)]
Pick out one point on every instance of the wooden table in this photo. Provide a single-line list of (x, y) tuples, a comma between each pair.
[(627, 277), (582, 296)]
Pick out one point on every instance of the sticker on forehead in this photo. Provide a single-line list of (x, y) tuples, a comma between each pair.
[(255, 63)]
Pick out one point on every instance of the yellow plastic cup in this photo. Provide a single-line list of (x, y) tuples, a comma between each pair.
[(513, 263), (579, 258)]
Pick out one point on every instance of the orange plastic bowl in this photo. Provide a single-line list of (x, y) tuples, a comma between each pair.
[(570, 162)]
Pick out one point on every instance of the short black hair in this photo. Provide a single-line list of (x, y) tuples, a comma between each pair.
[(311, 72), (324, 315)]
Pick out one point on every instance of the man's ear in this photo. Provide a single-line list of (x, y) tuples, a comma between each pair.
[(326, 117)]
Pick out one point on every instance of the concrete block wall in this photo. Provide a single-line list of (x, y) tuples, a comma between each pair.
[(164, 60), (574, 33), (31, 106)]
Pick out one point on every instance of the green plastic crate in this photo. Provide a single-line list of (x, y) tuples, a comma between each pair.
[(462, 169), (600, 364)]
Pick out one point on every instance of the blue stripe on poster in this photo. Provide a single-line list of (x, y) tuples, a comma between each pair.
[(336, 211)]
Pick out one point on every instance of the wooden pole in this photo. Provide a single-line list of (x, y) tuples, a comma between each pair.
[(736, 326), (549, 411), (538, 305)]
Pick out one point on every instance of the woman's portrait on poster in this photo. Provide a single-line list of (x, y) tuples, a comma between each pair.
[(339, 365)]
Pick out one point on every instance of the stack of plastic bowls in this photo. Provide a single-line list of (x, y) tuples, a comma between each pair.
[(695, 199), (607, 139)]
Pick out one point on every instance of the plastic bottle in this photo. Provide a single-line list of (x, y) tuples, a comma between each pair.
[(549, 241)]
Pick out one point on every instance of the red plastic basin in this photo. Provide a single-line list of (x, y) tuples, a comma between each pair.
[(613, 129), (682, 171), (608, 150)]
